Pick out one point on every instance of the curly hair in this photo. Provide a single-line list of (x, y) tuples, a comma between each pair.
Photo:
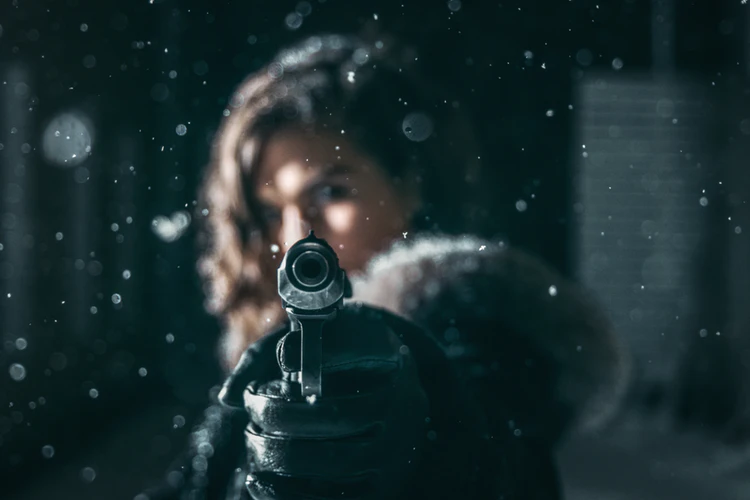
[(373, 90)]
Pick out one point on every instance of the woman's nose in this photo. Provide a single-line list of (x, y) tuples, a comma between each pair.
[(293, 226)]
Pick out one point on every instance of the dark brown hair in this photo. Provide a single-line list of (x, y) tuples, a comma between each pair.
[(373, 90)]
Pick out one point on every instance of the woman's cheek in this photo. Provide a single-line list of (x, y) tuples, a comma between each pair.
[(340, 218)]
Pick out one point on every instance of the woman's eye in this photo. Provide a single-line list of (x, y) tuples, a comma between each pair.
[(328, 194)]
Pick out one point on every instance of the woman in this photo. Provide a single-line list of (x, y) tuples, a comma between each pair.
[(342, 136)]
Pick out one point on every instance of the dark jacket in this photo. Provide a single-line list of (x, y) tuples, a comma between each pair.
[(532, 353)]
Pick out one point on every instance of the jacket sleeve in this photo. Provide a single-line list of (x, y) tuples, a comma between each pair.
[(536, 354), (459, 444)]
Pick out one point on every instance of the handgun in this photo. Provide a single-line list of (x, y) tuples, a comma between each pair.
[(312, 287)]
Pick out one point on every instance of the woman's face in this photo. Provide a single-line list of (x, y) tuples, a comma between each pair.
[(323, 182)]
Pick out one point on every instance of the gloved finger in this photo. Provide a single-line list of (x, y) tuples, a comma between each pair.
[(257, 364), (328, 417), (320, 458)]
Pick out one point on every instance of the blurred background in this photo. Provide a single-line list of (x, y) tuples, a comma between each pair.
[(619, 132)]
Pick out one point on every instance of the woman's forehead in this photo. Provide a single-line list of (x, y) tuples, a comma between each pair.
[(289, 153)]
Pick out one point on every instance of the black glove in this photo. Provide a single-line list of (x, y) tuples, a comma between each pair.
[(364, 438)]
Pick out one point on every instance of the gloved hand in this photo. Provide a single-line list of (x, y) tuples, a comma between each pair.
[(363, 438)]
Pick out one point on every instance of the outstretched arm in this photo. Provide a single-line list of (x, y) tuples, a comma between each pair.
[(539, 355)]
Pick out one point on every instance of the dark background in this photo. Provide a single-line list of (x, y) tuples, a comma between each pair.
[(149, 359)]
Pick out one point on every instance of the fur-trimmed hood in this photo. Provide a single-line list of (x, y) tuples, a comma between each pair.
[(442, 281)]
